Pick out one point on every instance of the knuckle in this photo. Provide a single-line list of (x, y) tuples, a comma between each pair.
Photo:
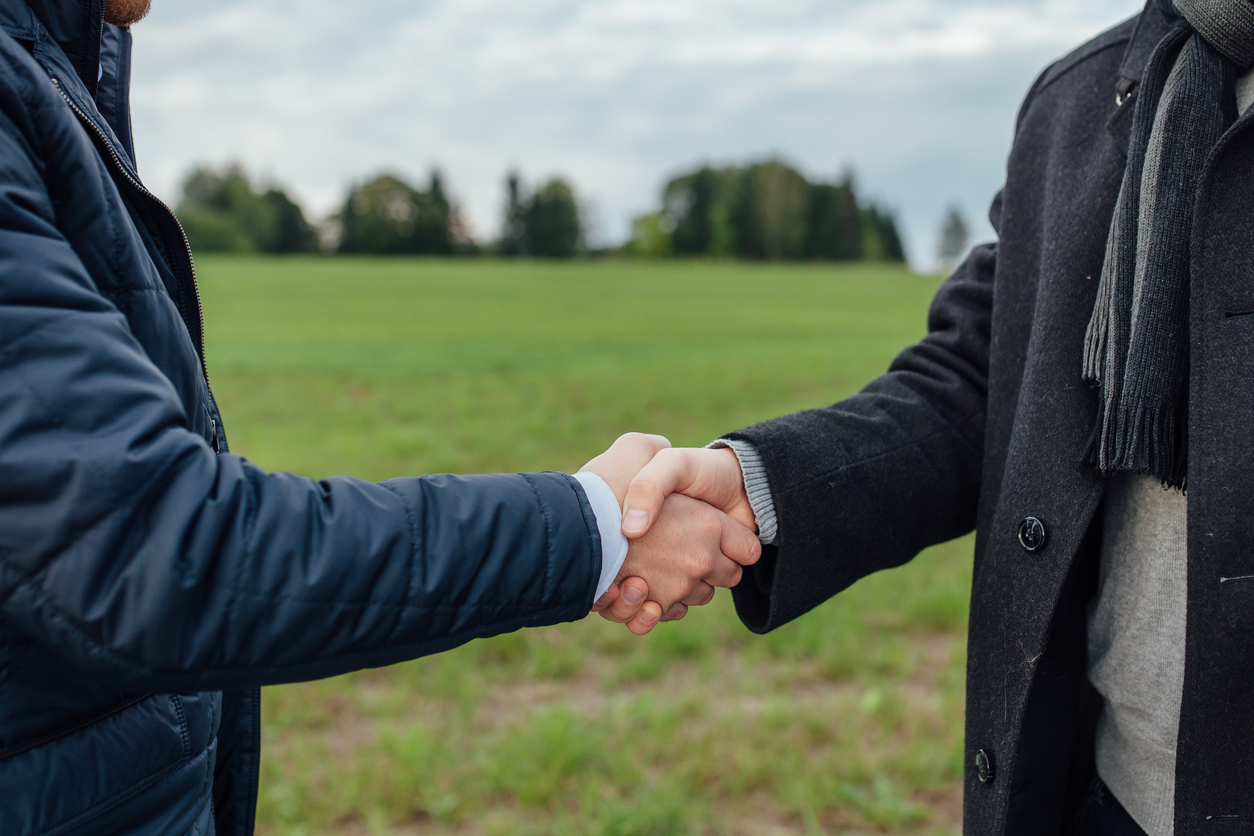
[(646, 484), (744, 550), (707, 564), (638, 584), (669, 458), (702, 568), (646, 488)]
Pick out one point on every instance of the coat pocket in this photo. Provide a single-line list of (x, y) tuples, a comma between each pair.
[(151, 761)]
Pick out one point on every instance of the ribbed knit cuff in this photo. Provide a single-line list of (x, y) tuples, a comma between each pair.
[(756, 486)]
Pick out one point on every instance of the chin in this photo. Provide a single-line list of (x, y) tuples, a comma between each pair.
[(125, 12)]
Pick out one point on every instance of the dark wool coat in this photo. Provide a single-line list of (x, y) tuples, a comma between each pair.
[(983, 424), (149, 579)]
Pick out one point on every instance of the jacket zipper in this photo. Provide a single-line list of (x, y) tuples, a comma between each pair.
[(117, 165)]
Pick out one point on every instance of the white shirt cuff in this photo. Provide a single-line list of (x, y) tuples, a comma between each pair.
[(610, 524)]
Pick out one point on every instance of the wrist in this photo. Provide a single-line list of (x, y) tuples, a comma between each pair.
[(739, 507), (754, 495), (616, 481), (608, 513)]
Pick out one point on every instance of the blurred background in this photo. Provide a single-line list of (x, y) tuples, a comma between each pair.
[(484, 236), (914, 98)]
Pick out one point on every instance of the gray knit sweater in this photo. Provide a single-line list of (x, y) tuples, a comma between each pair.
[(1136, 645)]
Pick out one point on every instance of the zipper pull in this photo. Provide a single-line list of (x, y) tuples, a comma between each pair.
[(213, 425)]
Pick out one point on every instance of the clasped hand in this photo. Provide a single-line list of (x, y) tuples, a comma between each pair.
[(688, 522)]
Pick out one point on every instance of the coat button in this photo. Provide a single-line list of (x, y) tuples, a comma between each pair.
[(1031, 534), (983, 766)]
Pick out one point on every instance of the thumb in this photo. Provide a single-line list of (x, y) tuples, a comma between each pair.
[(669, 471)]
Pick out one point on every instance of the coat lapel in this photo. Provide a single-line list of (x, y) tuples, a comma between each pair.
[(1151, 28)]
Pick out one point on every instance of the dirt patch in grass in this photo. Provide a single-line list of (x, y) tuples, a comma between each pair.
[(945, 804), (804, 727)]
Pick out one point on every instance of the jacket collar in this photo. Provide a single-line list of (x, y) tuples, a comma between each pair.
[(90, 59), (1158, 18), (75, 26), (1152, 26)]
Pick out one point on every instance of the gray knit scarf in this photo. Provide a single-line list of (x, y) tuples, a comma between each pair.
[(1136, 351)]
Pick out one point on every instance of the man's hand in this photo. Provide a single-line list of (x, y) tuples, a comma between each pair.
[(712, 476), (692, 537), (617, 466), (624, 459), (692, 549)]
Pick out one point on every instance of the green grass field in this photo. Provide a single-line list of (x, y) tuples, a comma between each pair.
[(847, 720)]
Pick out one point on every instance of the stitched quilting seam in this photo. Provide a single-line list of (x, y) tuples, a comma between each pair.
[(413, 556), (548, 538)]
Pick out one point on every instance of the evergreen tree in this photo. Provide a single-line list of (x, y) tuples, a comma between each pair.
[(880, 239), (699, 208), (693, 201), (514, 231), (290, 232), (769, 217), (833, 228), (553, 227), (954, 236)]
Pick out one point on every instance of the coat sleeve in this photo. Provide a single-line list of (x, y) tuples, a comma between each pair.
[(138, 555), (867, 483)]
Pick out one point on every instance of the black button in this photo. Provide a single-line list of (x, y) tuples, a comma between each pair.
[(1031, 534), (983, 766)]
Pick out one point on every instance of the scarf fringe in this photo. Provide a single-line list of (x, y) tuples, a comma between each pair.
[(1120, 444), (1136, 345), (1096, 336)]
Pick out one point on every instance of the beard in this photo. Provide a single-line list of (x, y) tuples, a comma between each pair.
[(125, 12)]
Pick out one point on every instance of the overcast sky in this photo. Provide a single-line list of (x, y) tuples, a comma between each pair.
[(918, 97)]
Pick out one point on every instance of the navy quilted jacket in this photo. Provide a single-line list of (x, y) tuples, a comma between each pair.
[(149, 580)]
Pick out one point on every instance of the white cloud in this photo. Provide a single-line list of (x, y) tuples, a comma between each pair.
[(918, 95)]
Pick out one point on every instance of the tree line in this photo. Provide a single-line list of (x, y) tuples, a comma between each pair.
[(765, 210), (224, 210)]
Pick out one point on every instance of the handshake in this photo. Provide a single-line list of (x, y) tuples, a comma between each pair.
[(689, 526)]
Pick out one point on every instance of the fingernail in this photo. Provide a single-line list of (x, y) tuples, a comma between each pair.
[(604, 599), (635, 520), (632, 595), (647, 616)]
